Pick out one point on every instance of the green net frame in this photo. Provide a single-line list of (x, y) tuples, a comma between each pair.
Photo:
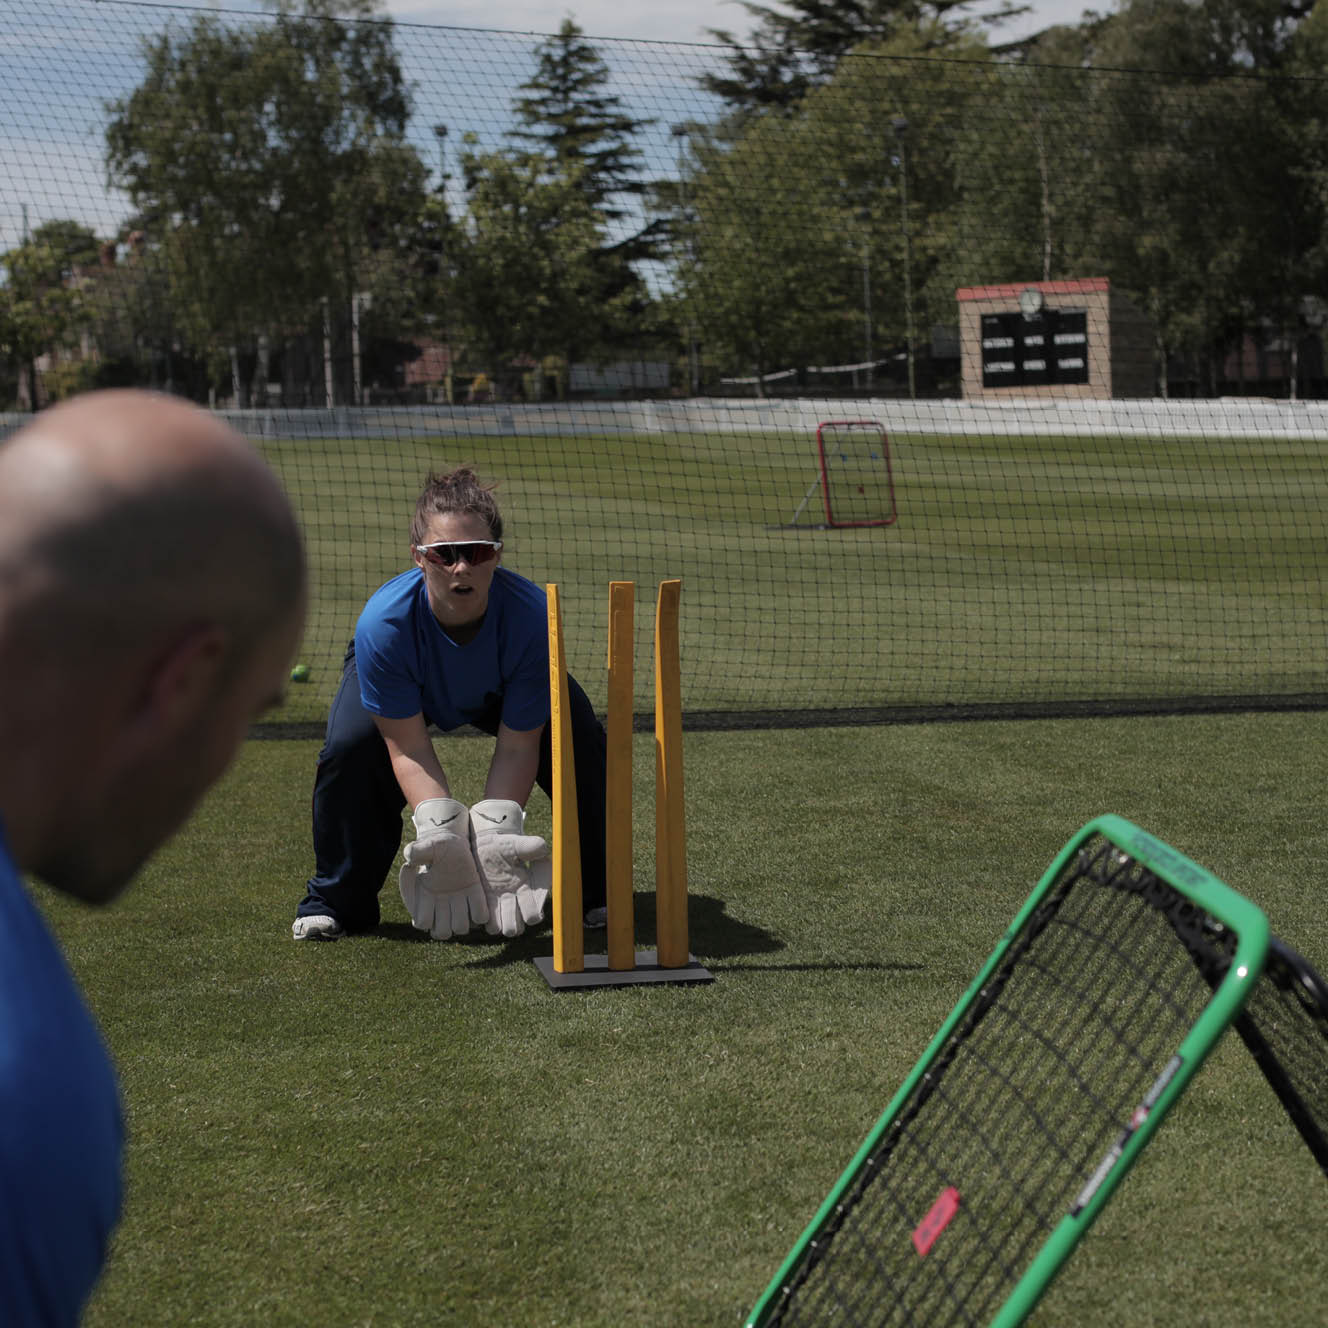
[(1114, 982)]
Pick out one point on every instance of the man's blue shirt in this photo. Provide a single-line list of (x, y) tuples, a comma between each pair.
[(408, 664), (61, 1127)]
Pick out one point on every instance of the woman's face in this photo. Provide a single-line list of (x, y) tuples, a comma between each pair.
[(458, 588)]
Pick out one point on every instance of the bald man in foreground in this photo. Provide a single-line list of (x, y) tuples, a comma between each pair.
[(152, 594)]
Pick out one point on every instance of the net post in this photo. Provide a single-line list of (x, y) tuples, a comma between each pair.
[(568, 924), (618, 778)]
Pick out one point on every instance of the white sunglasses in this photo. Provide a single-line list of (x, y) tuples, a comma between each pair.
[(450, 553)]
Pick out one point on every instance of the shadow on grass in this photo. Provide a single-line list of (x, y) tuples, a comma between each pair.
[(394, 931), (825, 966), (713, 932)]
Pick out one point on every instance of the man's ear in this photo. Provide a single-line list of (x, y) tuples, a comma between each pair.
[(179, 680)]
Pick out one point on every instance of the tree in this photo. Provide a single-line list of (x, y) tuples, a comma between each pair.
[(890, 124), (126, 303), (580, 128), (271, 165), (581, 135), (522, 277), (1306, 58), (1213, 210), (761, 264), (586, 138), (791, 52), (824, 234), (41, 299), (1025, 155), (542, 264)]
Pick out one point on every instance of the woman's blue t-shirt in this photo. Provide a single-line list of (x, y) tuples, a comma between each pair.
[(408, 664)]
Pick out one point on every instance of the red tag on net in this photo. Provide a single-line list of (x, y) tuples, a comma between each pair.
[(937, 1219)]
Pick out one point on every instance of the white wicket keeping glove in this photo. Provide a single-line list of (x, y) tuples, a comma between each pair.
[(514, 867), (440, 885)]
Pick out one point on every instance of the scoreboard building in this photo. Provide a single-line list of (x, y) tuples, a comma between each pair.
[(1064, 339)]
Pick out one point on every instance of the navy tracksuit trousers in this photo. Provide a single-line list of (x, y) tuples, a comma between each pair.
[(357, 804)]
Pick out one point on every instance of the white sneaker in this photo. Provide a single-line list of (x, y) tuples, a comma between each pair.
[(319, 927), (597, 918)]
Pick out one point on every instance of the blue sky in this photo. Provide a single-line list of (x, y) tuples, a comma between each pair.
[(648, 20), (61, 61)]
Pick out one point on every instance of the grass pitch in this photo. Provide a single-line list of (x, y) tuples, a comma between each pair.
[(1020, 570), (390, 1131)]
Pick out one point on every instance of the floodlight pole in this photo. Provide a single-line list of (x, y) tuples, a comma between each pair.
[(901, 134), (359, 302), (1313, 314), (328, 395), (865, 216)]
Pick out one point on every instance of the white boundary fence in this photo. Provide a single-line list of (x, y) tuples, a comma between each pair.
[(1239, 417)]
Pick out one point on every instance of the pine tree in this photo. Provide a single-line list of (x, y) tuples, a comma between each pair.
[(578, 126), (799, 47), (582, 135)]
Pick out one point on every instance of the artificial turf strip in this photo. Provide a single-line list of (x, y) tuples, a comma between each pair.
[(392, 1131)]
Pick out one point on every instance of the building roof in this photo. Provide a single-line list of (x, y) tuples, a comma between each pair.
[(1010, 290)]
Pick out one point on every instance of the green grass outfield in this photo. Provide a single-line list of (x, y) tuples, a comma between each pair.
[(389, 1131), (1020, 569)]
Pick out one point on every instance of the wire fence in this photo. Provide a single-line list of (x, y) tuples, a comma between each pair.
[(1073, 315)]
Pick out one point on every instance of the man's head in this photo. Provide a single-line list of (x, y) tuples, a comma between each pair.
[(152, 593)]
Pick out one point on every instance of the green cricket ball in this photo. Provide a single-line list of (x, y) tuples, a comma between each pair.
[(300, 673)]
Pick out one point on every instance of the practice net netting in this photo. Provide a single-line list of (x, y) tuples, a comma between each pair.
[(1083, 306)]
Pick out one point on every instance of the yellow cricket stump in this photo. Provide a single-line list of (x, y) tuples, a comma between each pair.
[(670, 827), (568, 924), (618, 778), (569, 966)]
